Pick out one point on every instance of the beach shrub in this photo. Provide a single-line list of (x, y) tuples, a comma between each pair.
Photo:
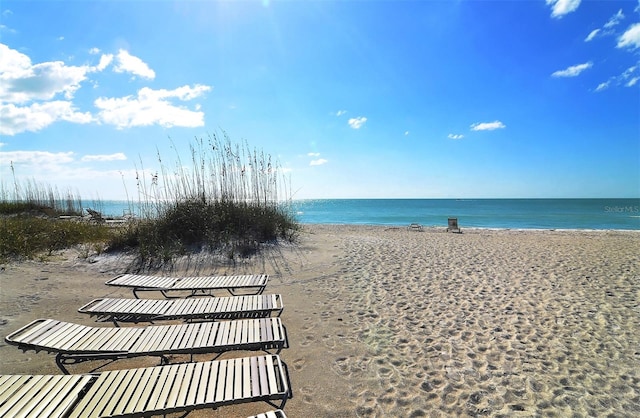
[(226, 201), (28, 236)]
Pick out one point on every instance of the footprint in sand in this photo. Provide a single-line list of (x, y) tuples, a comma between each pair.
[(308, 340), (341, 366), (298, 364), (329, 341)]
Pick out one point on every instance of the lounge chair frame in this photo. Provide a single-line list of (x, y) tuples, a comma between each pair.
[(253, 284), (148, 391), (216, 308), (271, 414), (74, 343)]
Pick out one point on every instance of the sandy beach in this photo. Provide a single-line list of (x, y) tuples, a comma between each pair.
[(393, 322)]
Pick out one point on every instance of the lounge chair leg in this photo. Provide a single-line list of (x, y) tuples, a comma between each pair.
[(60, 363)]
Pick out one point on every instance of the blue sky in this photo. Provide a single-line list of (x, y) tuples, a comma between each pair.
[(355, 99)]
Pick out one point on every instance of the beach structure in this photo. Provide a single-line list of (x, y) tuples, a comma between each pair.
[(194, 286), (148, 391), (453, 225), (414, 227), (188, 309), (74, 343)]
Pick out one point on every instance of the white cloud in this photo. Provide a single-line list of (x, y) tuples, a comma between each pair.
[(406, 133), (105, 157), (459, 136), (319, 161), (152, 107), (487, 126), (94, 51), (35, 158), (356, 123), (21, 82), (592, 35), (572, 71), (628, 78), (615, 19), (631, 37), (313, 154), (127, 63), (105, 60), (340, 112), (560, 8), (37, 116)]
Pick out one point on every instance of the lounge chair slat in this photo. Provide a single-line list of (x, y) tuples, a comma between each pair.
[(229, 384), (246, 378), (264, 379), (191, 377), (214, 383), (133, 391), (180, 385), (221, 381), (154, 396), (238, 380), (271, 376), (197, 392), (118, 390)]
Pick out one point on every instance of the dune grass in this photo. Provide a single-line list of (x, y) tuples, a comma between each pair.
[(225, 200)]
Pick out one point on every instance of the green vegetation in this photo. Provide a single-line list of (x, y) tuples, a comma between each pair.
[(225, 202)]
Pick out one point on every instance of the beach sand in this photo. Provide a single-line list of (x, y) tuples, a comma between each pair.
[(392, 322)]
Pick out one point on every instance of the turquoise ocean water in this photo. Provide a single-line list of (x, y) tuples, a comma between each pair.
[(476, 213)]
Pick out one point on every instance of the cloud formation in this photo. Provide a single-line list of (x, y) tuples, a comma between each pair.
[(34, 96), (615, 19), (607, 28), (572, 71), (127, 63), (22, 82), (559, 8), (457, 136), (319, 161), (356, 123), (151, 107), (487, 126), (119, 156), (592, 35), (630, 38), (37, 116), (627, 78)]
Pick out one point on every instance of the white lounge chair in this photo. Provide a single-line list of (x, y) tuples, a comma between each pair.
[(140, 310), (195, 286), (147, 391), (74, 343)]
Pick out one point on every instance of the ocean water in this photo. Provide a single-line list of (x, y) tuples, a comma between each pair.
[(621, 214)]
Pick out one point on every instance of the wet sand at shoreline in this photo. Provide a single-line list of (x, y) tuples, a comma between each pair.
[(394, 322)]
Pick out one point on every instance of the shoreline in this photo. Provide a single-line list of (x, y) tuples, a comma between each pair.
[(391, 322)]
